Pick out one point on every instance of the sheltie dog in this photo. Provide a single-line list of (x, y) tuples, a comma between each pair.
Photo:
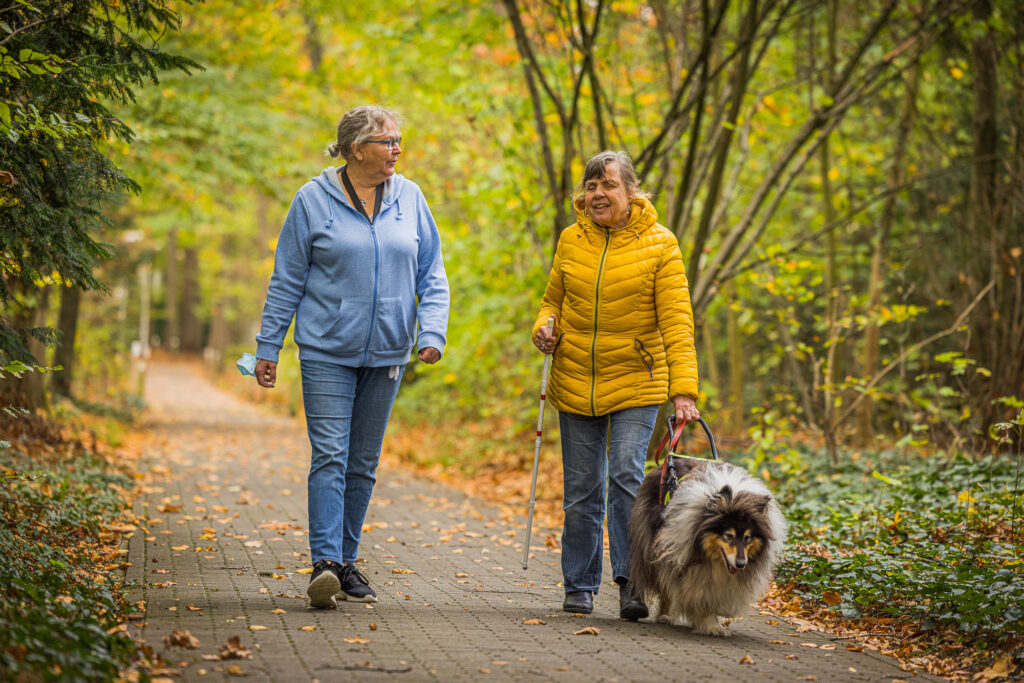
[(711, 551)]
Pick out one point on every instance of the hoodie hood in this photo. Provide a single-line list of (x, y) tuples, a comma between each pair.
[(642, 215), (329, 181)]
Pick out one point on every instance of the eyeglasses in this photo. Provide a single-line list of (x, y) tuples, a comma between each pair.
[(390, 143)]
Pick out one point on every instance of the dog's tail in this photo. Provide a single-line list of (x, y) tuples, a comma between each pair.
[(644, 523)]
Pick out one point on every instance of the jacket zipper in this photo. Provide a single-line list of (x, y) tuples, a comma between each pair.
[(597, 303), (376, 277), (373, 307)]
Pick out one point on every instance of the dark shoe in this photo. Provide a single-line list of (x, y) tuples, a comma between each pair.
[(580, 602), (354, 586), (324, 583), (630, 606)]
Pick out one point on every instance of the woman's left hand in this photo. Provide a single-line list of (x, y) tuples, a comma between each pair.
[(686, 410), (429, 355)]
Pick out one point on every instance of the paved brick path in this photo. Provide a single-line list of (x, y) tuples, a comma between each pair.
[(224, 558)]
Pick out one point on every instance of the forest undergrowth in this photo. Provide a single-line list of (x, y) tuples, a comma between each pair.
[(64, 512)]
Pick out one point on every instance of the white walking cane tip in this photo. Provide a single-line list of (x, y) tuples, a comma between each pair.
[(536, 447)]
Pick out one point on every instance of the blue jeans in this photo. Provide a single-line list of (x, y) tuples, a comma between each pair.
[(347, 411), (600, 455)]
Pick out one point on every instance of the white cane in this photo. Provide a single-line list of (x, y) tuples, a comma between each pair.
[(536, 446)]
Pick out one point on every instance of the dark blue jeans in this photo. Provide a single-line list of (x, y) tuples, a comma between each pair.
[(347, 411), (601, 457)]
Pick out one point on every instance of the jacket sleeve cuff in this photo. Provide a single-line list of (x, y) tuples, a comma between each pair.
[(265, 351), (430, 339)]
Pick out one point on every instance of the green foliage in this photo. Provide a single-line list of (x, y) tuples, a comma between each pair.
[(61, 68), (58, 611), (938, 543)]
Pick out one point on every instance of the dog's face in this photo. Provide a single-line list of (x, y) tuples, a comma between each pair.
[(733, 531)]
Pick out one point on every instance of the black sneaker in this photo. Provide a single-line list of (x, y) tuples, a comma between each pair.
[(324, 583), (354, 586)]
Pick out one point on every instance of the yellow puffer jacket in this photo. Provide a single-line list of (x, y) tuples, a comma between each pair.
[(624, 321)]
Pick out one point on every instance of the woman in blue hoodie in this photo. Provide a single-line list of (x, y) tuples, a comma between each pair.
[(358, 265)]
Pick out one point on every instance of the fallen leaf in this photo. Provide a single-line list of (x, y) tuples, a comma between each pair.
[(373, 626), (307, 628), (747, 659), (402, 571), (233, 650), (808, 645), (854, 648), (307, 570), (256, 627), (181, 639), (277, 611), (587, 631), (1000, 668), (357, 639), (534, 622), (831, 598), (235, 670)]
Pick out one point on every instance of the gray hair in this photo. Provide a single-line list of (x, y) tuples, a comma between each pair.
[(596, 169), (359, 125)]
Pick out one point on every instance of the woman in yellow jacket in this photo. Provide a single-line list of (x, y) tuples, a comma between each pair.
[(622, 345)]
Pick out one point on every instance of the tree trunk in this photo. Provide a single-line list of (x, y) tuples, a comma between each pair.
[(736, 361), (191, 325), (880, 247), (64, 354), (172, 329)]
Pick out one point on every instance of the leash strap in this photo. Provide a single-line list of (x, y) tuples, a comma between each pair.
[(357, 204)]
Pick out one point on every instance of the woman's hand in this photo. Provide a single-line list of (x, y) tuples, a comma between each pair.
[(429, 355), (686, 410), (544, 340), (266, 373)]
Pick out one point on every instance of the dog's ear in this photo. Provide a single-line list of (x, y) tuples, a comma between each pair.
[(726, 493)]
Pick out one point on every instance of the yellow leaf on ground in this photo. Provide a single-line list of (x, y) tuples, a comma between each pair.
[(357, 639), (256, 627), (1000, 669), (307, 570), (587, 631), (534, 622), (747, 659), (831, 598), (307, 628)]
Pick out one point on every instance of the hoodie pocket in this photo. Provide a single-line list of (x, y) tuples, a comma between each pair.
[(347, 334), (393, 328)]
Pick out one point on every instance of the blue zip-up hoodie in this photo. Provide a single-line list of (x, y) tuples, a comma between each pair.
[(356, 290)]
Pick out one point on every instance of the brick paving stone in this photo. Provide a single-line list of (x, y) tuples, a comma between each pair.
[(223, 561)]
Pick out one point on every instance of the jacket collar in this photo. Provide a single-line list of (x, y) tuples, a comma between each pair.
[(642, 215)]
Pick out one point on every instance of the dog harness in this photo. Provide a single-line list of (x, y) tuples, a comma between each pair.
[(669, 480)]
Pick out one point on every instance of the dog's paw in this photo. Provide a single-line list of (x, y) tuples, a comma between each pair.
[(709, 626), (674, 621)]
